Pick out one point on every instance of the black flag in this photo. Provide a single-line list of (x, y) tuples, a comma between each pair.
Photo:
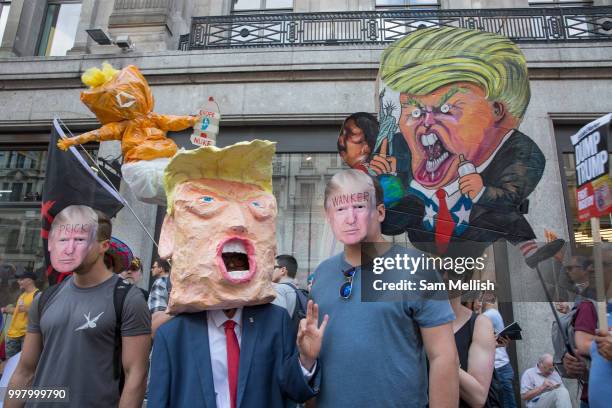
[(69, 181)]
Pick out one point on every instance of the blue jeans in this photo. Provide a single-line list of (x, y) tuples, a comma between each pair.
[(506, 377)]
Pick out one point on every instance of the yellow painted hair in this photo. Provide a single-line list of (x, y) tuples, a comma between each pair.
[(95, 76), (244, 162), (428, 59)]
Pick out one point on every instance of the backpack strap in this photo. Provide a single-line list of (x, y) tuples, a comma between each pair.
[(121, 290), (300, 306), (46, 295)]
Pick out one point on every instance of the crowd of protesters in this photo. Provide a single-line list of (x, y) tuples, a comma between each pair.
[(413, 353)]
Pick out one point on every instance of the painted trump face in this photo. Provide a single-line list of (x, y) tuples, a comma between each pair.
[(70, 243), (452, 120), (221, 238)]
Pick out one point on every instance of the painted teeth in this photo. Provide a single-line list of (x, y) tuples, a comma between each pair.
[(238, 274), (432, 165), (429, 140), (234, 246)]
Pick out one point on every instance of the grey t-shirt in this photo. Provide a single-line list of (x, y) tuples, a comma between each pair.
[(78, 333)]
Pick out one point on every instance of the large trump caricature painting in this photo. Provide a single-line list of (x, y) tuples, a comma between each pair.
[(453, 164)]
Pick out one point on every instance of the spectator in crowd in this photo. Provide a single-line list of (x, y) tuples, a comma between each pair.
[(160, 292), (158, 298), (587, 341), (578, 272), (285, 270), (503, 368), (476, 349), (118, 257), (133, 274), (17, 330), (600, 375), (541, 386), (71, 339), (373, 354), (239, 352)]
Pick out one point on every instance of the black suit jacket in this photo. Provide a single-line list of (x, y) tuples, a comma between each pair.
[(269, 371)]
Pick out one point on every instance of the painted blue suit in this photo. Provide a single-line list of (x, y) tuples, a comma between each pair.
[(269, 372)]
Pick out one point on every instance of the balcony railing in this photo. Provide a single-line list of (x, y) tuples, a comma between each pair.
[(565, 24)]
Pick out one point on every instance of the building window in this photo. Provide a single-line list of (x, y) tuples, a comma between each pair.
[(20, 161), (23, 175), (59, 28), (306, 194), (5, 7), (333, 161), (259, 5), (408, 3), (301, 228), (307, 161)]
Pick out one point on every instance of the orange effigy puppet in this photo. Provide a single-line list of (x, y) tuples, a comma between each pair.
[(123, 103)]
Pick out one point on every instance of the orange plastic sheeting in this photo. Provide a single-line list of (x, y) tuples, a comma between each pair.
[(124, 106)]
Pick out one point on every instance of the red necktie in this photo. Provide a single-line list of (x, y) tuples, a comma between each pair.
[(233, 358), (444, 223)]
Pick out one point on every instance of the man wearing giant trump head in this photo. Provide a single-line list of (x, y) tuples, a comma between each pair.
[(220, 228), (219, 233)]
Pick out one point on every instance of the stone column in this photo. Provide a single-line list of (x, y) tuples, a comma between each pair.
[(212, 8), (94, 14), (145, 21), (10, 32), (23, 28)]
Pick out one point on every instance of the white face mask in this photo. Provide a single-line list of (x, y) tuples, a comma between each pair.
[(350, 215)]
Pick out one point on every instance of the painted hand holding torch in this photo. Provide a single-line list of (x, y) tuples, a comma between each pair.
[(381, 163), (123, 103)]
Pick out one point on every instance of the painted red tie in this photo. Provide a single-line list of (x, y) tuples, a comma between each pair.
[(444, 223), (233, 359)]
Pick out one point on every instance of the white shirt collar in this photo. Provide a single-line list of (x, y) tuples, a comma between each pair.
[(453, 186), (219, 318)]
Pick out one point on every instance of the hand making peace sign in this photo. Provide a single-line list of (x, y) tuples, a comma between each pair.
[(310, 335)]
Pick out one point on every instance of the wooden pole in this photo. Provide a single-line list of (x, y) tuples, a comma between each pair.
[(602, 317)]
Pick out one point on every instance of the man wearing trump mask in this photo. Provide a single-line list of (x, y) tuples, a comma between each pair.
[(228, 346)]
